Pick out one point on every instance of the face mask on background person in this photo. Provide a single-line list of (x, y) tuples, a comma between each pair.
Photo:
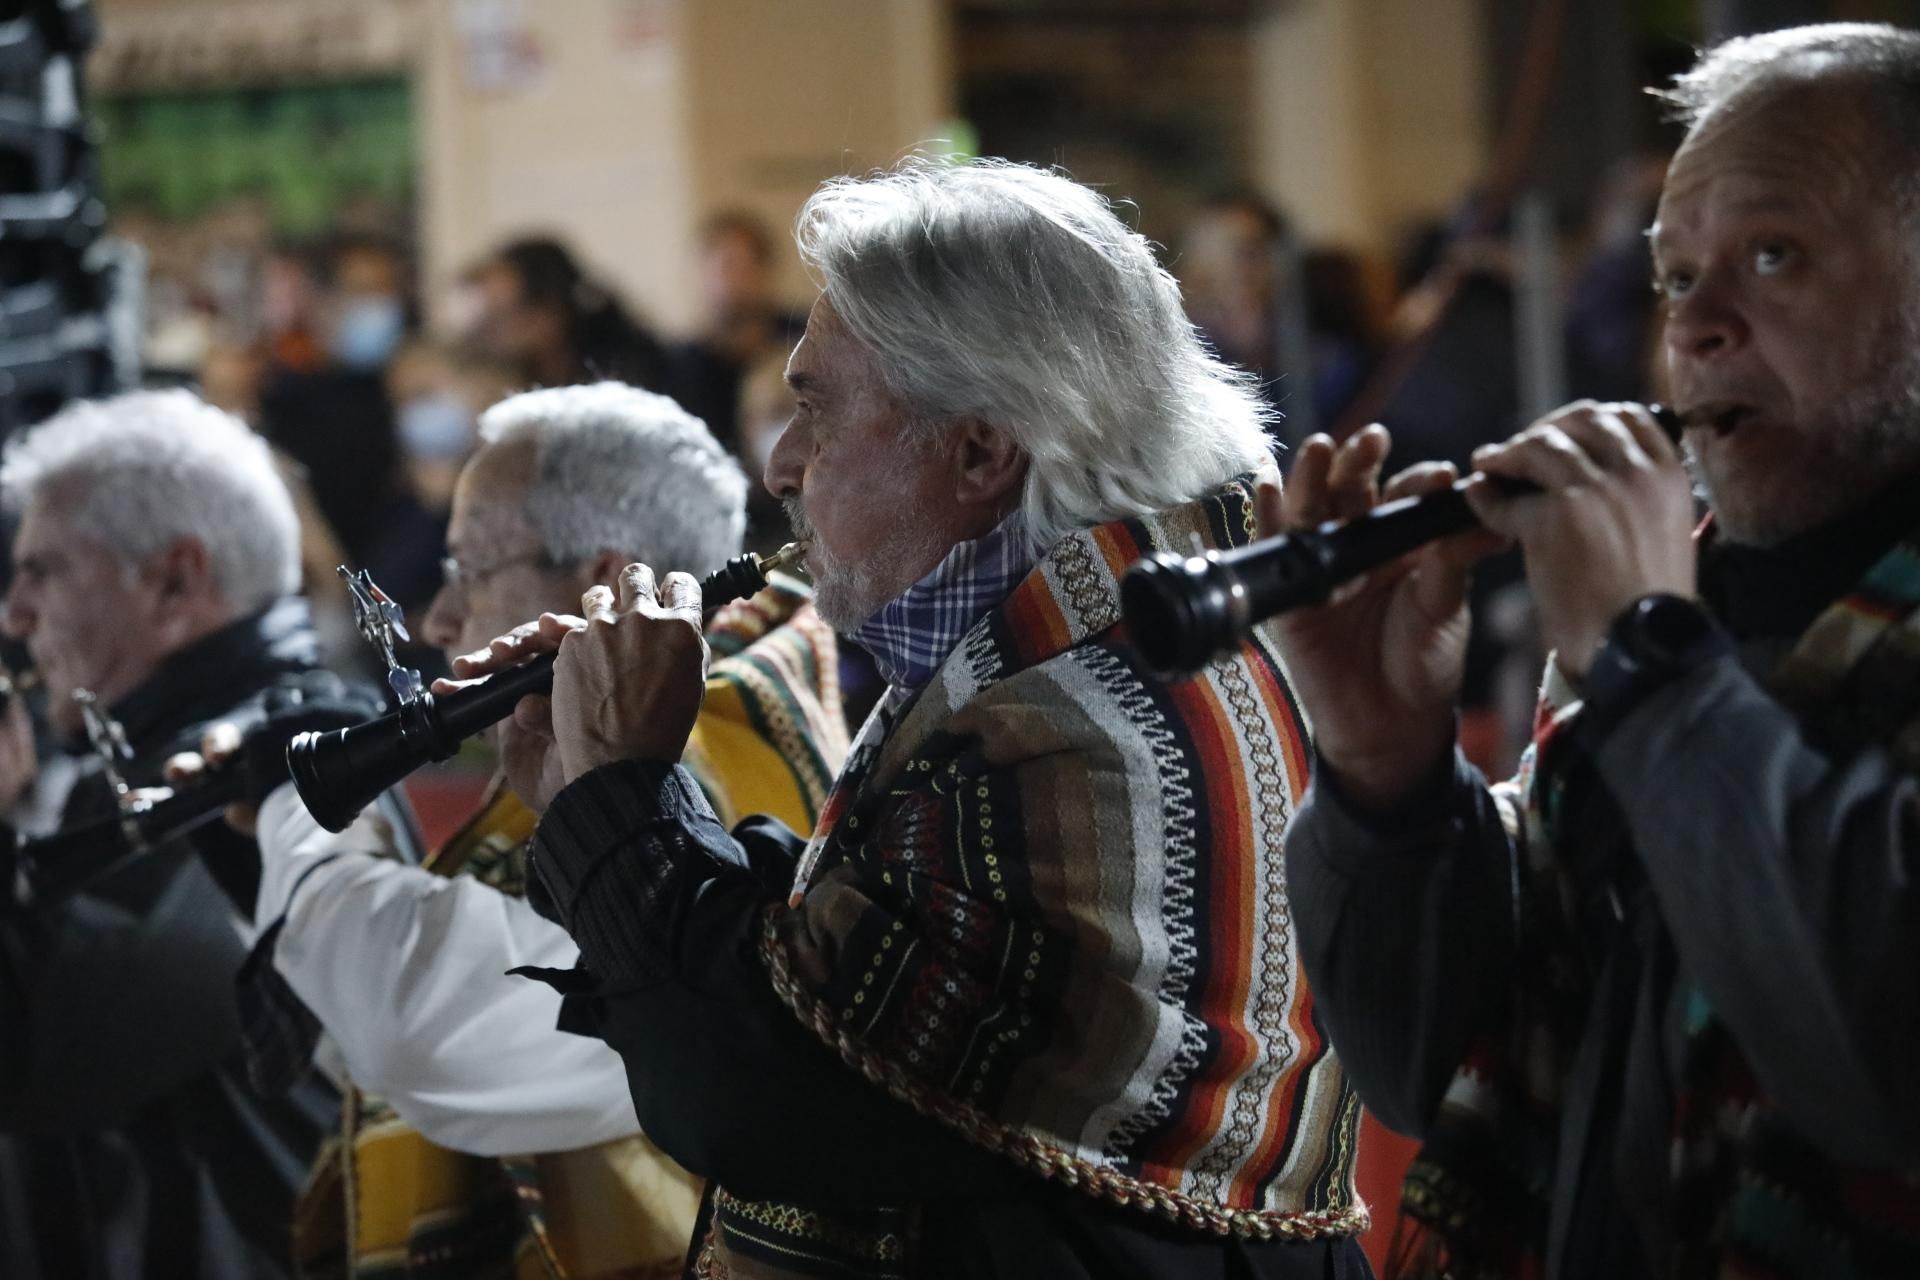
[(436, 426), (367, 329)]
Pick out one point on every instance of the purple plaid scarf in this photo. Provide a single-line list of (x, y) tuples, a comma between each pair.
[(912, 634)]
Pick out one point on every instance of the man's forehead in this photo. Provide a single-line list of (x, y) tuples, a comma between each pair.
[(490, 501), (1807, 149)]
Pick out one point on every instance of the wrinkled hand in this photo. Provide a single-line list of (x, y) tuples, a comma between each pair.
[(1379, 666), (527, 757), (627, 683), (1615, 523)]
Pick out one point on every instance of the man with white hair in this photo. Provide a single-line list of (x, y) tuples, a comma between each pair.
[(154, 565), (1027, 1002), (479, 1134)]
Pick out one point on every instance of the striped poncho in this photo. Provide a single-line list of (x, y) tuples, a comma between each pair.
[(1046, 905)]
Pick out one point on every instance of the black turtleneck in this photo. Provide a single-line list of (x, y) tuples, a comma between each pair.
[(1775, 593)]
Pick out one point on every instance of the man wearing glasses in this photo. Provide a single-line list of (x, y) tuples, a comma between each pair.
[(459, 1066)]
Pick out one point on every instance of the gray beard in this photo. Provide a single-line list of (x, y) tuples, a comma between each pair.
[(845, 595), (1872, 435)]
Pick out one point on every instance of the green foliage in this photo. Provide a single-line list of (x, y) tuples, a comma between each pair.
[(303, 150)]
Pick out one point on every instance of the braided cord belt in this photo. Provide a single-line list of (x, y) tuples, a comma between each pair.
[(1043, 1158)]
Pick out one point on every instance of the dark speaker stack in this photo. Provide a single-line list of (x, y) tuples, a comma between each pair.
[(61, 282)]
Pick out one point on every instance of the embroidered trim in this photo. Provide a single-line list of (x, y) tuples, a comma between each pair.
[(1043, 1158)]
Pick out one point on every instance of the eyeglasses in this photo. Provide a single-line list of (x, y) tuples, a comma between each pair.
[(466, 576)]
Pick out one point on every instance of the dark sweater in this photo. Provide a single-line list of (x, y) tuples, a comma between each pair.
[(130, 1144), (1771, 875)]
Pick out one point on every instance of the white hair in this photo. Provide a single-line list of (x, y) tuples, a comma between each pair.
[(1012, 295), (139, 471), (621, 469)]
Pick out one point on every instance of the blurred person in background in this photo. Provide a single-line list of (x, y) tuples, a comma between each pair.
[(438, 395), (289, 303), (532, 308), (155, 565), (1612, 310), (1239, 269), (741, 324), (367, 303), (338, 422), (482, 1134)]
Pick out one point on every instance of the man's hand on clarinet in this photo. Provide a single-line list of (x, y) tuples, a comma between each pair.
[(1615, 521), (627, 683), (1379, 666)]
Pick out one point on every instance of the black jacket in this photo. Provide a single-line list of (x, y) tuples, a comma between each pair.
[(130, 1144)]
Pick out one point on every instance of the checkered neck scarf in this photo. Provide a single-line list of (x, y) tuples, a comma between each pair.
[(913, 633)]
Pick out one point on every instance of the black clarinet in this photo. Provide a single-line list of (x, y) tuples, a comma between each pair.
[(55, 865), (1184, 611), (338, 773)]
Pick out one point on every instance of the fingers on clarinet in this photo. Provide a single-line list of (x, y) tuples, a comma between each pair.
[(1303, 502), (1649, 434), (1353, 480), (219, 742), (243, 818), (551, 629), (596, 603), (1424, 477), (680, 593), (1269, 509), (183, 767), (636, 584), (534, 713)]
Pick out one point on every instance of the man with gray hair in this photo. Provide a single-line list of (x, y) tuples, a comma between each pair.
[(1653, 1007), (1026, 1003), (483, 1133), (154, 563)]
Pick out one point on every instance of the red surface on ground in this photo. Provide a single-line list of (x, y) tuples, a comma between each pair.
[(1384, 1157)]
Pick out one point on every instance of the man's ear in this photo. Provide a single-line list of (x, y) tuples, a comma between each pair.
[(989, 467), (184, 589), (182, 571)]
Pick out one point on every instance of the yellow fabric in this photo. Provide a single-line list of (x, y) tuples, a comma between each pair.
[(622, 1210), (590, 1196), (737, 769)]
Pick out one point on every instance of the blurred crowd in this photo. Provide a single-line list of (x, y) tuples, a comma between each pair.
[(372, 412), (325, 352)]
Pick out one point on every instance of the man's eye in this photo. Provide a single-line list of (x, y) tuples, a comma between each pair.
[(1769, 259), (1674, 284)]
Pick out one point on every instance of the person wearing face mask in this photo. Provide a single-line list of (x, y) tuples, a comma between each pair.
[(368, 310), (155, 564), (1653, 1006), (341, 425)]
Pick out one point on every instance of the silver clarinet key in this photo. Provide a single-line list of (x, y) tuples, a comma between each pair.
[(383, 625)]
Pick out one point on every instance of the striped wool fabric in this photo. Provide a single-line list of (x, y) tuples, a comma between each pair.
[(1750, 1197), (1050, 902)]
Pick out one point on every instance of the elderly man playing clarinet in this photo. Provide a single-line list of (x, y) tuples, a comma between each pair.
[(1654, 1008), (1026, 1002)]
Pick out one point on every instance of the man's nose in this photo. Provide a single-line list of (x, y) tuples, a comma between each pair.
[(446, 615), (16, 615), (1706, 322), (786, 464)]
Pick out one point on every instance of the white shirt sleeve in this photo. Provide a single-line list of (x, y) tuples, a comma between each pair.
[(406, 971)]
